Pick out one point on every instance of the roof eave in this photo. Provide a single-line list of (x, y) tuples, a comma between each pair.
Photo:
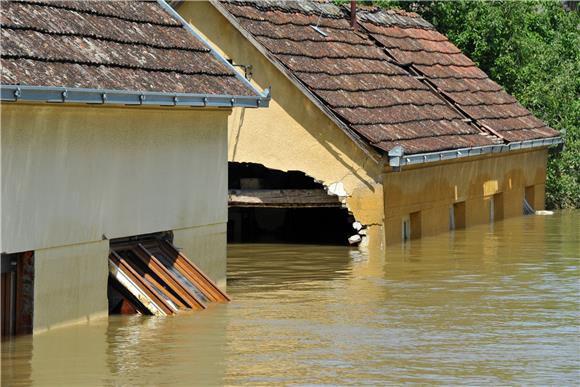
[(370, 151), (397, 158), (55, 94)]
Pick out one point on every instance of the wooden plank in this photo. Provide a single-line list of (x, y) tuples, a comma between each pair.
[(141, 267), (169, 260), (158, 279), (195, 275), (158, 268), (282, 198), (139, 281), (127, 283)]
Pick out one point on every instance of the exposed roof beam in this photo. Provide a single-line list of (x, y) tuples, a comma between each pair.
[(282, 198)]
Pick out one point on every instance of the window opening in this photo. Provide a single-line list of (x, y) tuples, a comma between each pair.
[(529, 200), (415, 219), (496, 207), (457, 216)]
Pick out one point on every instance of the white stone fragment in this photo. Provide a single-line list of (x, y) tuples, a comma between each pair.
[(357, 226), (544, 212), (355, 239), (337, 189)]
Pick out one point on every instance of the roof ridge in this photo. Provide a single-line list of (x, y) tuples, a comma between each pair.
[(394, 11), (327, 9)]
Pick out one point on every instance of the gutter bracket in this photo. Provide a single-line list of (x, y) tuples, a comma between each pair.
[(395, 156)]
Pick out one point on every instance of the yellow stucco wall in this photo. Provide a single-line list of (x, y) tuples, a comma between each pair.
[(70, 285), (433, 188), (72, 174), (292, 134)]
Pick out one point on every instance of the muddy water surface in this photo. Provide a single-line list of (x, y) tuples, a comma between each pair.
[(489, 305)]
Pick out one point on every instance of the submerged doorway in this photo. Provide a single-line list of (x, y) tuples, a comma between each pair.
[(17, 293), (272, 206)]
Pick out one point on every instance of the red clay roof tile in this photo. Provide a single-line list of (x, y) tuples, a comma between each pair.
[(121, 45), (371, 78)]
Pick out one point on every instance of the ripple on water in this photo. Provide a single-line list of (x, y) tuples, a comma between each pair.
[(480, 306)]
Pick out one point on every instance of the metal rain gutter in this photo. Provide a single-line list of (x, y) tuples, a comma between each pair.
[(264, 97), (15, 93), (398, 159)]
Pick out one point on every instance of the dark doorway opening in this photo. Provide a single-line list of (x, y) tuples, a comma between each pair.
[(17, 293), (329, 226), (272, 206)]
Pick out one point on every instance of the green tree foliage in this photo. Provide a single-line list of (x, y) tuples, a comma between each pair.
[(532, 49)]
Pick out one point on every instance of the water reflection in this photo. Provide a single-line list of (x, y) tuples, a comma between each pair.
[(487, 305)]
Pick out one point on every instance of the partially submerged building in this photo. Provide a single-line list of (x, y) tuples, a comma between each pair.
[(382, 110), (114, 126)]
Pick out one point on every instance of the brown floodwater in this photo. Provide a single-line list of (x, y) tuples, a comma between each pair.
[(491, 305)]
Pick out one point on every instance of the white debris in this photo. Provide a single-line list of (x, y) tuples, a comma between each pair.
[(357, 226), (543, 212), (362, 232), (337, 189), (355, 239)]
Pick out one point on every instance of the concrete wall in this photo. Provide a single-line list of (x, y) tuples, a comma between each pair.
[(70, 285), (74, 175), (292, 134), (433, 188)]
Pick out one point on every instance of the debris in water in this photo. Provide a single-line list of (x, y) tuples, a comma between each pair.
[(355, 239)]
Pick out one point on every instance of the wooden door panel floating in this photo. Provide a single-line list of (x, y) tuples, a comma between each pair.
[(153, 277)]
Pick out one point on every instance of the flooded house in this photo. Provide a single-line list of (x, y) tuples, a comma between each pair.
[(375, 109), (113, 141)]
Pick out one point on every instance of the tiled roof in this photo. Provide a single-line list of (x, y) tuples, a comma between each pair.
[(116, 45), (395, 81)]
